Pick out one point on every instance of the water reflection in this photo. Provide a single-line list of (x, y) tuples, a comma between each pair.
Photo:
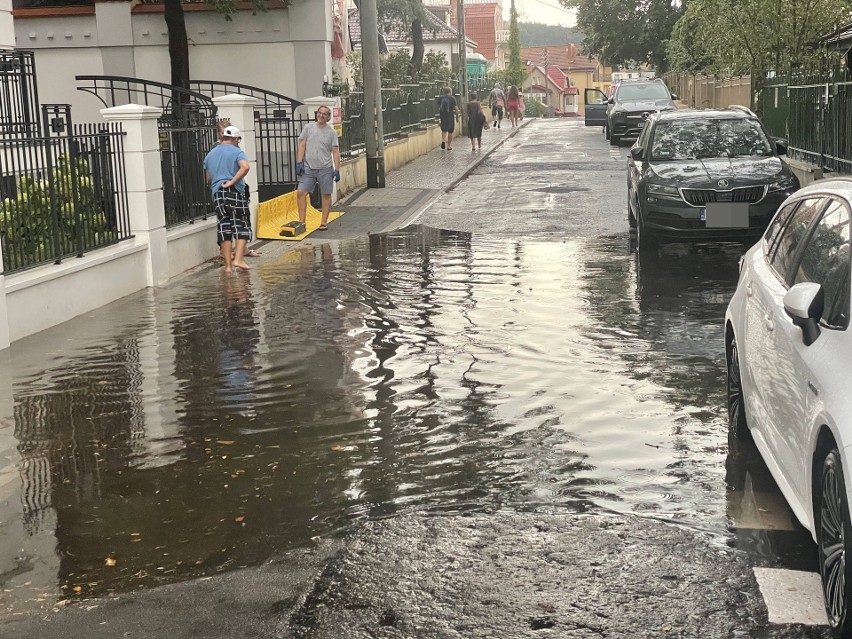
[(214, 423)]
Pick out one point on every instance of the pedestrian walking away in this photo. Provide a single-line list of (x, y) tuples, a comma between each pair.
[(475, 122), (496, 101), (226, 166), (448, 111), (522, 108), (317, 162), (513, 103)]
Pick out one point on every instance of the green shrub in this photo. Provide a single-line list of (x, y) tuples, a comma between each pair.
[(27, 222)]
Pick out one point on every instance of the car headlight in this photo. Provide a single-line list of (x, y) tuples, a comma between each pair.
[(619, 116), (783, 184), (663, 189)]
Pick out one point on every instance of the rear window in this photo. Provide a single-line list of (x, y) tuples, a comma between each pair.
[(698, 139), (650, 91)]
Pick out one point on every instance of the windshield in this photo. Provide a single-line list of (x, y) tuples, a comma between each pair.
[(650, 91), (697, 139)]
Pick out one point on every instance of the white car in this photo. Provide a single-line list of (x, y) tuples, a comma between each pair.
[(789, 354)]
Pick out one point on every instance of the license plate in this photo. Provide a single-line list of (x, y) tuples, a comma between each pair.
[(702, 214), (725, 215)]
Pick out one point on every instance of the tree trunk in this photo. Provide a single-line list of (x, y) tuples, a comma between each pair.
[(418, 50), (178, 43)]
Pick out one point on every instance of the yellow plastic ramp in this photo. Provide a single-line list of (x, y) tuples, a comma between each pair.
[(274, 213)]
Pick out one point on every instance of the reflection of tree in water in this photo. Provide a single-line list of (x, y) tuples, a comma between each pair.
[(672, 333)]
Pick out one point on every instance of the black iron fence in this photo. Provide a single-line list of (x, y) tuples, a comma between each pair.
[(188, 129), (813, 111), (63, 193), (18, 94)]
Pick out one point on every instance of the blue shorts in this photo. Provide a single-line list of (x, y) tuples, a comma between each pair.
[(310, 177)]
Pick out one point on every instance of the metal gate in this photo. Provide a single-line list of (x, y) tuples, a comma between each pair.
[(188, 129), (277, 130)]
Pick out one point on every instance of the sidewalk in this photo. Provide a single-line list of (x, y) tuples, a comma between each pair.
[(410, 189)]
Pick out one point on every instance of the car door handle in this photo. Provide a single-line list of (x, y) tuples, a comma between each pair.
[(770, 325), (749, 291)]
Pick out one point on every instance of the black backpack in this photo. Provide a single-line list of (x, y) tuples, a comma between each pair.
[(446, 104)]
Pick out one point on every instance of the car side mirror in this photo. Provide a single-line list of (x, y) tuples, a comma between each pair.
[(674, 96), (804, 303), (781, 146), (611, 101), (637, 153)]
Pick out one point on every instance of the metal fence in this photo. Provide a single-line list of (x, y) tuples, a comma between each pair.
[(18, 94), (188, 129), (63, 193), (813, 111), (405, 109)]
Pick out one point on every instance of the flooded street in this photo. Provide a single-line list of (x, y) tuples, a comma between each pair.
[(219, 421)]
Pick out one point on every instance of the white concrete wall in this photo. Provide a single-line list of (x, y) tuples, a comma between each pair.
[(283, 50), (7, 29)]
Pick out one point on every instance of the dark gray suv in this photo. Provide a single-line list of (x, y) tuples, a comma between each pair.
[(633, 101), (623, 114)]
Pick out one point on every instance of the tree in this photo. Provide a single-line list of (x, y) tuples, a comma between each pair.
[(407, 18), (515, 72), (625, 32), (753, 36)]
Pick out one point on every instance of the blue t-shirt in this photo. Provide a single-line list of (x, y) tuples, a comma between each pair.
[(222, 163)]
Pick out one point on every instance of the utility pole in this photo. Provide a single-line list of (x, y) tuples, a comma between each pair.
[(462, 60), (374, 128), (546, 89)]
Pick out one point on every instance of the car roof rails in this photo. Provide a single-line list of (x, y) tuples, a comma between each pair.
[(744, 109)]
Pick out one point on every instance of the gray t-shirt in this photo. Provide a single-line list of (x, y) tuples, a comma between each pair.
[(320, 141)]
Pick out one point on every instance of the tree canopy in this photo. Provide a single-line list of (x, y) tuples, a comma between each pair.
[(536, 34), (626, 32), (719, 36)]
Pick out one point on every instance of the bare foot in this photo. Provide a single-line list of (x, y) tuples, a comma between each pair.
[(227, 269), (242, 265)]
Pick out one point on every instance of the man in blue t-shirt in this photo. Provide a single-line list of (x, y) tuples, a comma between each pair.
[(226, 166)]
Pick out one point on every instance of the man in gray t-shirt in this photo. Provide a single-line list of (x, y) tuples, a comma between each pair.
[(317, 162)]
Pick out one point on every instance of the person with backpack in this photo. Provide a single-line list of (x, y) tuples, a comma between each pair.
[(447, 109), (496, 101)]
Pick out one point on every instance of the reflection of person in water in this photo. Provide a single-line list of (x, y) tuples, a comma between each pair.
[(239, 342)]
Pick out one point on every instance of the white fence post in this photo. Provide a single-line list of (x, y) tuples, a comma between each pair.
[(144, 183), (4, 310), (239, 109)]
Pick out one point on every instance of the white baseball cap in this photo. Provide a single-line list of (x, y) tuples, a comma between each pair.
[(231, 132)]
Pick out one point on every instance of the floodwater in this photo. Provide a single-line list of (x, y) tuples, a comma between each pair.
[(217, 422)]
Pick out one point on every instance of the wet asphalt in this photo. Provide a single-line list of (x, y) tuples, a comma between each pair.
[(599, 551)]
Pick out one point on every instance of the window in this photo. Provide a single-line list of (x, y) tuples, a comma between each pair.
[(826, 261), (714, 138), (644, 135), (784, 258), (649, 91), (776, 226)]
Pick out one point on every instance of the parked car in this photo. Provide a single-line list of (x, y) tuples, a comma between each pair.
[(624, 112), (705, 175), (788, 348)]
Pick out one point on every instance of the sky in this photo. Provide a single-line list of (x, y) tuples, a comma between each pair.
[(545, 11)]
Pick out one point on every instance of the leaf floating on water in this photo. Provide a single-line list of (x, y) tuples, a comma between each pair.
[(240, 519), (78, 588), (667, 628), (110, 562), (226, 442)]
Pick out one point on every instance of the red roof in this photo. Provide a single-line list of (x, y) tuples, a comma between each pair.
[(480, 25), (567, 57), (434, 30)]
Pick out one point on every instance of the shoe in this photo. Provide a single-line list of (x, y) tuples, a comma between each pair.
[(443, 145), (322, 227)]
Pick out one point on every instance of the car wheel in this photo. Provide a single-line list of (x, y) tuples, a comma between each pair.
[(646, 242), (833, 536), (614, 140), (737, 424)]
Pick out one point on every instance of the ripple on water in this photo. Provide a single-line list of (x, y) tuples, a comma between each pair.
[(216, 422)]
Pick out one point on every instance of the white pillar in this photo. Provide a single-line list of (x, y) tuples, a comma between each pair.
[(239, 109), (7, 27), (144, 183), (4, 310)]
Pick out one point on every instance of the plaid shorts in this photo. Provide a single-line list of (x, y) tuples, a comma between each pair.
[(232, 215)]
